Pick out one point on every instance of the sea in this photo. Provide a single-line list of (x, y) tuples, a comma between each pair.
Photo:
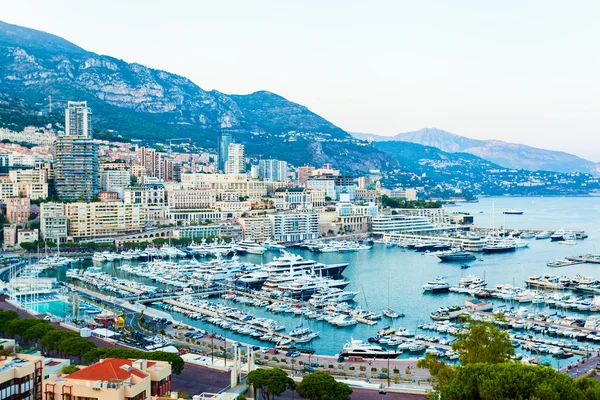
[(394, 276)]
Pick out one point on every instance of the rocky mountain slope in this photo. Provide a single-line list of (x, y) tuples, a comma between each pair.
[(145, 103), (510, 155)]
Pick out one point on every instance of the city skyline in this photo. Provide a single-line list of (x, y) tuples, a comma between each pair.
[(482, 71)]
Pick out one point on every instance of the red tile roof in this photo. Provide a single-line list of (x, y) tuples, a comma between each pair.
[(108, 369)]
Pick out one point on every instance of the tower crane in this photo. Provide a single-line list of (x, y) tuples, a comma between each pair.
[(50, 99)]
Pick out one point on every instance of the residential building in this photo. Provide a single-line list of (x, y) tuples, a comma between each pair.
[(150, 160), (295, 227), (224, 141), (152, 194), (400, 223), (317, 197), (53, 222), (292, 198), (77, 119), (198, 231), (366, 195), (257, 229), (303, 174), (408, 194), (112, 379), (190, 198), (232, 209), (21, 377), (354, 218), (236, 163), (30, 183), (194, 217), (13, 236), (17, 210), (225, 184), (273, 170), (76, 168), (115, 180), (325, 184), (103, 219)]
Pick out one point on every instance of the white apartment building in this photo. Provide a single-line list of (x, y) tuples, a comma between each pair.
[(325, 184), (225, 184), (292, 199), (30, 183), (236, 163), (154, 194), (295, 227), (273, 170), (94, 220), (53, 222), (257, 229), (115, 180), (186, 198), (400, 224)]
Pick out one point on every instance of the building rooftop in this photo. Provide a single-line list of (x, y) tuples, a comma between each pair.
[(110, 368)]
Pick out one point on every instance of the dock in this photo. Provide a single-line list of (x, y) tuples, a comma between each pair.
[(585, 259)]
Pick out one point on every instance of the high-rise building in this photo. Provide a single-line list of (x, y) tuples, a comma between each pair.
[(151, 160), (273, 170), (235, 159), (223, 149), (77, 119), (76, 156), (303, 174)]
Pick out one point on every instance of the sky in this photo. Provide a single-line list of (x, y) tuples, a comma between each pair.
[(514, 70)]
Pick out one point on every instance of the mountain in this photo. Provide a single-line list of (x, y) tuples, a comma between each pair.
[(510, 155), (149, 104), (449, 171)]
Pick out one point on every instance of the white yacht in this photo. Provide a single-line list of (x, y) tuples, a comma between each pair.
[(251, 247), (288, 261), (357, 348), (272, 245), (331, 295), (307, 285), (437, 286)]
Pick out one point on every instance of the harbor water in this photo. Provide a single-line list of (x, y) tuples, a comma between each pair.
[(394, 276)]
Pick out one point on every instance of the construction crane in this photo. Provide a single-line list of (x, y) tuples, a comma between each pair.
[(176, 140), (50, 99)]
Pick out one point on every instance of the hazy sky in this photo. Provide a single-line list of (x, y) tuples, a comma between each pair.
[(522, 71)]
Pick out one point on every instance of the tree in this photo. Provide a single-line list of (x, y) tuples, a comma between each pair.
[(69, 369), (36, 332), (270, 382), (516, 381), (483, 342), (322, 386)]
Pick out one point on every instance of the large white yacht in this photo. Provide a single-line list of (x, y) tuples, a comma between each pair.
[(307, 285), (251, 247), (357, 348), (288, 261), (332, 295)]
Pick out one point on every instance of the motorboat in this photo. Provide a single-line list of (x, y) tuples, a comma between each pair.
[(456, 255), (513, 211), (251, 247), (357, 348), (437, 286)]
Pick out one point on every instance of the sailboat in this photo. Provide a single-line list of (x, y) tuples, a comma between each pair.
[(389, 311)]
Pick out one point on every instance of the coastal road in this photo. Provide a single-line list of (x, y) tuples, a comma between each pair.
[(581, 367)]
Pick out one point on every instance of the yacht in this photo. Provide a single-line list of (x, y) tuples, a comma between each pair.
[(251, 247), (558, 236), (357, 348), (307, 285), (499, 245), (513, 211), (543, 235), (288, 261), (272, 245), (331, 295), (456, 255), (437, 286), (252, 280)]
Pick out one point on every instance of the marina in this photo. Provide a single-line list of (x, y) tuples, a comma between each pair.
[(365, 301)]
